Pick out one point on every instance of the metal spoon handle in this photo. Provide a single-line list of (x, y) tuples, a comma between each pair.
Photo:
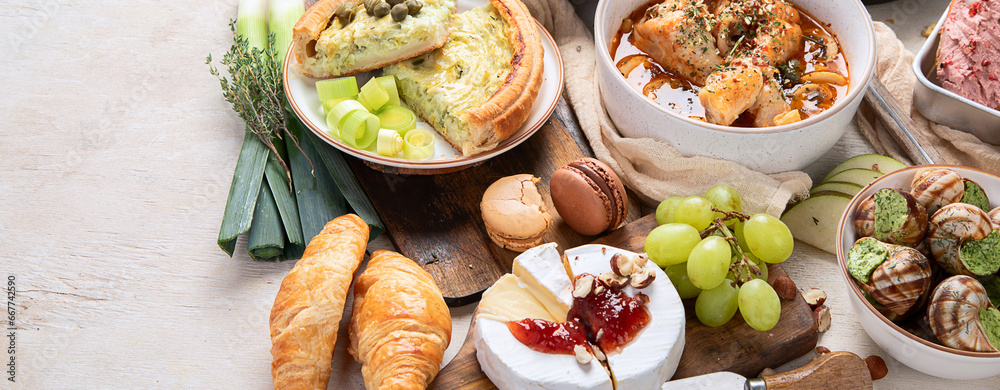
[(899, 123)]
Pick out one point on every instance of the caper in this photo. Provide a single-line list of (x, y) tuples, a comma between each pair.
[(414, 6), (381, 9), (394, 2), (399, 12), (345, 13), (370, 6)]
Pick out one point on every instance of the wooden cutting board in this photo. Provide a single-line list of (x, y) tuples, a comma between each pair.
[(734, 347), (436, 220)]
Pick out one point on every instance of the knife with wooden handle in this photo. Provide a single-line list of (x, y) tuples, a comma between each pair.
[(833, 370)]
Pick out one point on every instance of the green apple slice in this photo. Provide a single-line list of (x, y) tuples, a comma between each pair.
[(874, 162), (857, 176), (837, 186), (814, 220)]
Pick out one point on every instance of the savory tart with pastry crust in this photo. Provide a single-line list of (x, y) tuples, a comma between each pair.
[(326, 46), (478, 88)]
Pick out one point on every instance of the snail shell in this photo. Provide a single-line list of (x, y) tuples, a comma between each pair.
[(954, 314), (936, 187), (870, 221), (950, 227), (901, 281), (995, 218)]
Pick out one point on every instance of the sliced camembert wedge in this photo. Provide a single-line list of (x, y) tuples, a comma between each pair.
[(518, 313), (478, 88), (651, 358)]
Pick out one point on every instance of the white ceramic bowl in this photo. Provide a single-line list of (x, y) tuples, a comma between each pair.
[(919, 354), (770, 150)]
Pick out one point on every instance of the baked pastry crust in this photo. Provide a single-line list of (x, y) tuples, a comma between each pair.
[(320, 17), (310, 304), (502, 114), (400, 325)]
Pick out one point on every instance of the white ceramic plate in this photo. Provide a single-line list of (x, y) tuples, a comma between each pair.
[(302, 95)]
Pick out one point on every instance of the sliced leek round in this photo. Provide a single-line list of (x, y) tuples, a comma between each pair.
[(418, 144), (389, 84), (341, 87), (328, 104), (373, 95), (335, 118), (397, 118), (389, 143)]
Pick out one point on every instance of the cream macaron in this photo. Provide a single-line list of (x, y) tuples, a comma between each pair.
[(514, 212)]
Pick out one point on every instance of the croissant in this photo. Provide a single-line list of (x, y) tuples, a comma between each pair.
[(310, 303), (400, 325)]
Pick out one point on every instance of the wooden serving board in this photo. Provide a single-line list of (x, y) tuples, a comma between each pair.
[(436, 220), (734, 347)]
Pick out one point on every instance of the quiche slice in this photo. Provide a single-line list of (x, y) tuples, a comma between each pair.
[(478, 88), (325, 47)]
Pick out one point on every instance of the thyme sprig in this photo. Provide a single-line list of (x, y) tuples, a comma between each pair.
[(255, 90)]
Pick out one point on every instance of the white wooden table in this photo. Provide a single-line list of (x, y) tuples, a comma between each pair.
[(116, 152)]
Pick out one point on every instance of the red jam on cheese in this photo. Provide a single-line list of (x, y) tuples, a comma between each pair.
[(547, 336), (608, 312)]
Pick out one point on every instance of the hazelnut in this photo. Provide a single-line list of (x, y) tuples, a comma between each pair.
[(876, 367), (821, 350), (600, 332), (640, 260), (584, 285), (599, 288), (614, 280), (814, 297), (582, 355), (785, 288), (642, 279), (622, 265), (822, 315)]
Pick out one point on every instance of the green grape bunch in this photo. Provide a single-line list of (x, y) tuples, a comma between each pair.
[(714, 252)]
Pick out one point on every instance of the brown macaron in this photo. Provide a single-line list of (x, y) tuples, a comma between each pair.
[(589, 196), (514, 213)]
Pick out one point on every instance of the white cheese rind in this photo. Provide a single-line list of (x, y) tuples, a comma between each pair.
[(652, 357), (512, 365), (541, 269)]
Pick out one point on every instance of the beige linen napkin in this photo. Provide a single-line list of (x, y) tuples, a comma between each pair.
[(653, 169), (956, 147)]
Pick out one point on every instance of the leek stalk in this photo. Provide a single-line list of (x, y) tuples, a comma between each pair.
[(318, 197), (266, 240), (251, 22), (243, 191), (349, 185), (283, 197), (283, 14)]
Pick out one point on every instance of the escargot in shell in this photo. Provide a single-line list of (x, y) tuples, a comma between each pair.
[(962, 317), (962, 240), (893, 216), (936, 187), (896, 276)]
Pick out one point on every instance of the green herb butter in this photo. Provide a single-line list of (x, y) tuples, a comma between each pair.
[(990, 318), (975, 196), (982, 257), (992, 286), (890, 214), (866, 255)]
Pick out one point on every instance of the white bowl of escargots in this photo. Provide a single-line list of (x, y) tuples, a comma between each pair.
[(769, 84), (919, 249)]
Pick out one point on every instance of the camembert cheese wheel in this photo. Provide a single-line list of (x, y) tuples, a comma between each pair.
[(541, 288)]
